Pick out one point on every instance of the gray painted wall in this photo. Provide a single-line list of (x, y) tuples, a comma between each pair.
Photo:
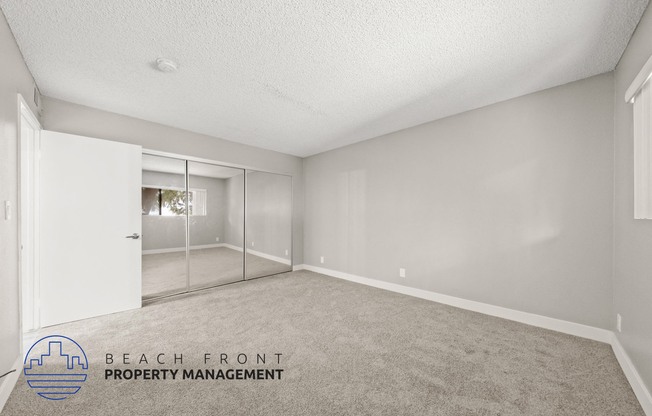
[(205, 229), (510, 204), (15, 78), (235, 211), (160, 232), (71, 118), (268, 209), (633, 238), (269, 213)]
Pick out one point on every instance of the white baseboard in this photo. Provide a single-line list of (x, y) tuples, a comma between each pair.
[(177, 249), (269, 257), (260, 254), (9, 382), (642, 393), (232, 247), (559, 325), (572, 328)]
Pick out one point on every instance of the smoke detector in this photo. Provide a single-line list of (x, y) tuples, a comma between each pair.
[(166, 65)]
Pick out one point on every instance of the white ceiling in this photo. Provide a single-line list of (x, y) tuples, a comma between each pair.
[(305, 76)]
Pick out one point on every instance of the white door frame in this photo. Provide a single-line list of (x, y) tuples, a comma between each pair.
[(28, 216)]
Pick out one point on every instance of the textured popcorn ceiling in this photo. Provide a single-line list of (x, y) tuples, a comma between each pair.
[(305, 76)]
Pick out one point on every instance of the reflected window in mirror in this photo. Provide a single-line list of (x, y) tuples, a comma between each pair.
[(171, 202)]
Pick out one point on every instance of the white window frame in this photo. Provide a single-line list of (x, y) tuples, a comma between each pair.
[(639, 94)]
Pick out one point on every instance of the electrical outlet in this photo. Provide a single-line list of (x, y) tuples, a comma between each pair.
[(321, 259), (7, 210), (217, 238), (252, 244), (287, 252), (401, 272), (619, 322)]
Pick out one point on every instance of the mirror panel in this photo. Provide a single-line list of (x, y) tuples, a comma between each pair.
[(163, 226), (216, 224), (268, 224)]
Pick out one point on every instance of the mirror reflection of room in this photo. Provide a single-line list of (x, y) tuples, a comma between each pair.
[(193, 228), (163, 226), (217, 225), (213, 212)]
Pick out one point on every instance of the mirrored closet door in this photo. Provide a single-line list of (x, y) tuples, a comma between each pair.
[(216, 224), (163, 226), (197, 218)]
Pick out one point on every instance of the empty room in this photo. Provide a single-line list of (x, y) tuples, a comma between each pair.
[(326, 207)]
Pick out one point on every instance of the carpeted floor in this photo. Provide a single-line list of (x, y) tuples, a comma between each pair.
[(166, 272), (347, 349)]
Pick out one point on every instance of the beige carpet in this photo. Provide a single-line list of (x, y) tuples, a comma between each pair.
[(347, 349), (165, 273)]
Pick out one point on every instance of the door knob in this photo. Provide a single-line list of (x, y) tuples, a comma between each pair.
[(135, 236)]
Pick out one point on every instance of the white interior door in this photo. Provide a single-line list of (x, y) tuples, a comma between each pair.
[(90, 194)]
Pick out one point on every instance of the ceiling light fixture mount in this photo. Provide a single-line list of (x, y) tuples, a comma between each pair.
[(166, 65)]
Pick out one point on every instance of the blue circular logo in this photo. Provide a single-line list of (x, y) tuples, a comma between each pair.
[(55, 367)]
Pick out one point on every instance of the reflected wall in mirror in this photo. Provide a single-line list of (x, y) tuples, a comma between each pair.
[(216, 224), (268, 224), (163, 226)]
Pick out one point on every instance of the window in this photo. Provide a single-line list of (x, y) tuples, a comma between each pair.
[(170, 202), (640, 94)]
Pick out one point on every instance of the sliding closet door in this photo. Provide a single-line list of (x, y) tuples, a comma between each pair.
[(268, 224), (216, 224), (164, 226)]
